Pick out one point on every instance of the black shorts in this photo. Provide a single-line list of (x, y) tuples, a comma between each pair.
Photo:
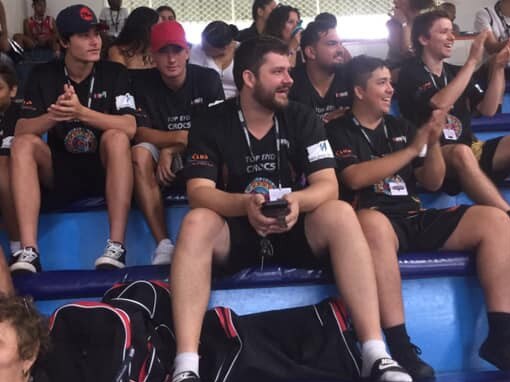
[(75, 176), (290, 248), (484, 152), (426, 230)]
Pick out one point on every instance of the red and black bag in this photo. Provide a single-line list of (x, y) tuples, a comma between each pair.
[(307, 343), (125, 337)]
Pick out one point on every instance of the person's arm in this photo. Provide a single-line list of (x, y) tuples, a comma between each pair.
[(431, 174), (162, 139), (364, 174), (483, 22), (322, 186), (496, 87), (102, 121), (492, 44), (68, 107), (399, 34), (203, 193), (447, 96), (37, 125), (34, 118)]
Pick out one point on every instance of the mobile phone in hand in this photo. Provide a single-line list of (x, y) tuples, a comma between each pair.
[(276, 208)]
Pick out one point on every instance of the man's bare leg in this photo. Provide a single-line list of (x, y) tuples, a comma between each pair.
[(463, 166)]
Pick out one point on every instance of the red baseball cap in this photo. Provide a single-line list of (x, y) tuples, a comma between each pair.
[(167, 33)]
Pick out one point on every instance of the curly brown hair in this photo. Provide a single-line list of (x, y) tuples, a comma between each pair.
[(31, 328)]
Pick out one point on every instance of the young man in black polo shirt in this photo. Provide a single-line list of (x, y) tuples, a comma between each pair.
[(260, 11), (321, 83), (85, 107), (379, 160), (169, 96), (427, 83), (250, 150)]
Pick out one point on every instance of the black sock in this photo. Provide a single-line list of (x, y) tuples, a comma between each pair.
[(499, 326), (397, 338)]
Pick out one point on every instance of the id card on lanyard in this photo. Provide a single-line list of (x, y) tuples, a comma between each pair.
[(280, 192), (448, 133), (396, 185)]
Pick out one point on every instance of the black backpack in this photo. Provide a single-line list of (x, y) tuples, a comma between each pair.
[(125, 337), (313, 342)]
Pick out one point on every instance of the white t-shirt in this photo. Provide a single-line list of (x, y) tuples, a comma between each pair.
[(198, 57), (114, 19), (488, 18)]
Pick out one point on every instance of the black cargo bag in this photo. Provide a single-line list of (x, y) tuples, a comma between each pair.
[(307, 343)]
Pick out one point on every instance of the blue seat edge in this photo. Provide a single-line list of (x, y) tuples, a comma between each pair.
[(72, 284)]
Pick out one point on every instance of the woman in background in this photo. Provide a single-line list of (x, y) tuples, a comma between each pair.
[(132, 47), (284, 22)]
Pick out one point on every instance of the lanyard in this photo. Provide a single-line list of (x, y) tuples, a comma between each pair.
[(116, 22), (244, 125), (369, 141), (91, 89), (433, 80)]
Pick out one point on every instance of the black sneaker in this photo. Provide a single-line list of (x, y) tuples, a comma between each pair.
[(409, 359), (113, 257), (26, 260), (497, 353), (186, 376), (385, 365)]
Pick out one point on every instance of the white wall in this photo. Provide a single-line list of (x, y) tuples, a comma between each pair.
[(466, 10), (17, 10)]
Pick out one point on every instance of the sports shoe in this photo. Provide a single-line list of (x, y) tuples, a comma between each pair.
[(26, 260), (114, 256), (163, 252), (388, 365), (497, 353), (186, 376), (408, 358)]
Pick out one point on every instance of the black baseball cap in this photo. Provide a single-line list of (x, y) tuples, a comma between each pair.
[(219, 34), (77, 18)]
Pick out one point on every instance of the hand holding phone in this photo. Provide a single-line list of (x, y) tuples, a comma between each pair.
[(275, 209)]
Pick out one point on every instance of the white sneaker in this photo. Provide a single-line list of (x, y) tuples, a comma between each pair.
[(163, 252)]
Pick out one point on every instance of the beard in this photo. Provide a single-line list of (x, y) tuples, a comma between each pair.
[(269, 99)]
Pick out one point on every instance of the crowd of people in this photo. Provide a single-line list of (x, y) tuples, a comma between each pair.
[(285, 147)]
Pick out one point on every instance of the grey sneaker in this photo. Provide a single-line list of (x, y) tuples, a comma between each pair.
[(113, 257)]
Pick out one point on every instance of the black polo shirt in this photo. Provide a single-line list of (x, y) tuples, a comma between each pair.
[(218, 150), (247, 33), (167, 110), (8, 121), (416, 86), (351, 146), (110, 95), (303, 91)]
